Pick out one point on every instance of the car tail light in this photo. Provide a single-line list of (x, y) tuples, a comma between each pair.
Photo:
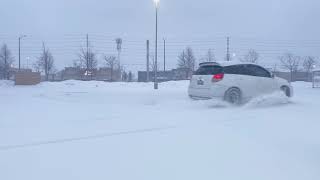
[(217, 77)]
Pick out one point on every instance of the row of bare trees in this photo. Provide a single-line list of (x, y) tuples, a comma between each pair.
[(88, 59), (295, 64), (287, 61), (45, 62), (187, 61), (6, 60)]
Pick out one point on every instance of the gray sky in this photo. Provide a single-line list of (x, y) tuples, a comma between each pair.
[(273, 27)]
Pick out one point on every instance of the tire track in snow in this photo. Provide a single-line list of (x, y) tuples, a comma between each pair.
[(84, 138)]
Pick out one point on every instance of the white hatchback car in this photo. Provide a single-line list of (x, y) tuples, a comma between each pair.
[(235, 82)]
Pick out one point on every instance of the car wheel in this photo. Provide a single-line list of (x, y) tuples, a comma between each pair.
[(233, 96), (285, 90)]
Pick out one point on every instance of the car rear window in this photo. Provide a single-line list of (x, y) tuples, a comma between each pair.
[(209, 70)]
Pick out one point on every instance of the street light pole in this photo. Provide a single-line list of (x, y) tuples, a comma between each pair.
[(19, 53), (164, 55), (157, 2), (20, 37)]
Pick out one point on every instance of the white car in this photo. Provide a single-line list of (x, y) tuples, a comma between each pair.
[(235, 82)]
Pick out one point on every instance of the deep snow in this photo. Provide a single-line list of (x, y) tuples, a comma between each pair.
[(99, 131)]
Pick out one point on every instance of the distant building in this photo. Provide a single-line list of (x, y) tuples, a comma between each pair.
[(13, 71), (106, 74), (27, 78), (76, 73), (71, 73), (162, 76), (296, 76)]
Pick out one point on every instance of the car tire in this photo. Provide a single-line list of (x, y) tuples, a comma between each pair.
[(233, 96), (285, 90)]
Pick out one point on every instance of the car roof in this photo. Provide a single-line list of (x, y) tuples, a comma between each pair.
[(316, 70), (224, 63)]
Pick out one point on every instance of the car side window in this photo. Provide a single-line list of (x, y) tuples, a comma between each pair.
[(235, 69), (258, 71), (244, 70)]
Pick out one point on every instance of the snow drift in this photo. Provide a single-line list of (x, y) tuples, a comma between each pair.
[(271, 137)]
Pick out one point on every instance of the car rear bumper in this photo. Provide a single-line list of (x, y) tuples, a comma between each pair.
[(216, 91)]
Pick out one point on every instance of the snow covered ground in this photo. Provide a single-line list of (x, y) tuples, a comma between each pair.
[(94, 130)]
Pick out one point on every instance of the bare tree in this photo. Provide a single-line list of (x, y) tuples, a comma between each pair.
[(187, 61), (78, 64), (252, 56), (87, 59), (290, 63), (210, 57), (45, 62), (113, 64), (309, 64), (153, 63), (6, 60)]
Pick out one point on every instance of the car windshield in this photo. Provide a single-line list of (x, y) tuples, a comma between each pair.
[(209, 70)]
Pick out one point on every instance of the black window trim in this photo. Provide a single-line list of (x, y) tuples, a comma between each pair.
[(263, 69), (206, 66), (246, 66)]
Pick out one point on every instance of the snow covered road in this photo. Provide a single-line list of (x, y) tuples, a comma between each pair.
[(96, 130)]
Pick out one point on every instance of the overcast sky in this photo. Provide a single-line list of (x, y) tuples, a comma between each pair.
[(294, 22)]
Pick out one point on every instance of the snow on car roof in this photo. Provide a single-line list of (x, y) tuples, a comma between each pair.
[(316, 70), (224, 63)]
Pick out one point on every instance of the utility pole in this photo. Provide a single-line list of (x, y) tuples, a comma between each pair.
[(5, 65), (19, 54), (119, 48), (87, 59), (228, 48), (20, 37), (45, 61), (148, 56), (164, 55), (156, 50)]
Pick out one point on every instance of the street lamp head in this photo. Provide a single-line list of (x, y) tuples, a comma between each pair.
[(157, 3), (22, 36)]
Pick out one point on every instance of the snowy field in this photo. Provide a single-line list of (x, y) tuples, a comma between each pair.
[(126, 131)]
